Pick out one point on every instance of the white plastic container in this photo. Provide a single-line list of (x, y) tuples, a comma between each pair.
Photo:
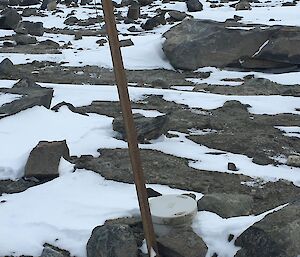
[(172, 211)]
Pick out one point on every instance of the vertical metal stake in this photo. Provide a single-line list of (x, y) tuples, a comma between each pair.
[(134, 153)]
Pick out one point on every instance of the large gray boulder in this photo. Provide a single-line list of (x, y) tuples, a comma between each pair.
[(44, 159), (112, 241), (277, 235), (9, 18), (226, 205), (199, 43)]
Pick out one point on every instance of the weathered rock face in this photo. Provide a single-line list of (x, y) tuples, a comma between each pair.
[(277, 235), (182, 243), (112, 241), (147, 128), (9, 18), (226, 205), (44, 159), (199, 43)]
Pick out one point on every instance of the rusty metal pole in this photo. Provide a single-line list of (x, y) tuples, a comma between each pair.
[(134, 152)]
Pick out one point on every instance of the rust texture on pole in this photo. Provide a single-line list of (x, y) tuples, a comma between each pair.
[(134, 152)]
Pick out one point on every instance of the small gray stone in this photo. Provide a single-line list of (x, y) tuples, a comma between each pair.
[(147, 128), (177, 15), (32, 28), (9, 18), (232, 166), (112, 241), (72, 20), (152, 193), (134, 11), (194, 5), (182, 243), (145, 2), (84, 2), (226, 205), (29, 2), (14, 2), (126, 42), (6, 67), (160, 83), (27, 12), (154, 22), (293, 160), (52, 251), (25, 39), (51, 6), (243, 5), (49, 43)]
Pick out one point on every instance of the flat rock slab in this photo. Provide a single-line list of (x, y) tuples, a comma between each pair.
[(44, 159), (33, 95)]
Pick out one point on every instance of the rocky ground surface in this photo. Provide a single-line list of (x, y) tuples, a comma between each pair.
[(236, 130)]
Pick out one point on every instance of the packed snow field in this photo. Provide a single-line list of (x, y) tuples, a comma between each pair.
[(64, 211)]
